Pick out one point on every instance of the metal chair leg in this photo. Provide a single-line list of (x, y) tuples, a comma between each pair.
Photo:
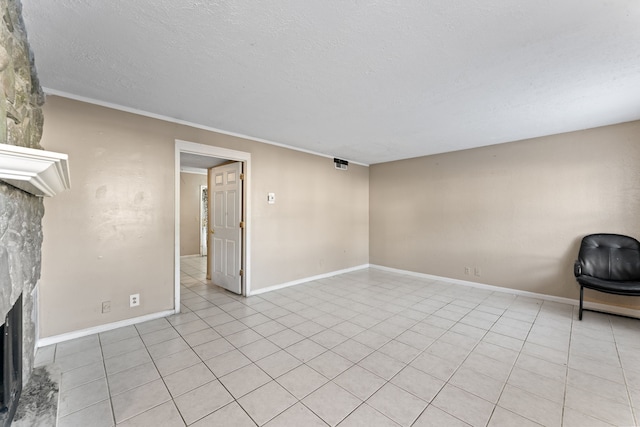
[(581, 296)]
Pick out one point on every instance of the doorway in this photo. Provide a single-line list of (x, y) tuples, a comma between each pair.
[(204, 213), (214, 154)]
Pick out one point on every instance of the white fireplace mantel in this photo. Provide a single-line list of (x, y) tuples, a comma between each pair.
[(39, 172)]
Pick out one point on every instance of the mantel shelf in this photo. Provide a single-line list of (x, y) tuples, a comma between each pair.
[(39, 172)]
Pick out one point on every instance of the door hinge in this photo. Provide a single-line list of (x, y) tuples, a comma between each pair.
[(241, 224), (242, 176), (241, 273)]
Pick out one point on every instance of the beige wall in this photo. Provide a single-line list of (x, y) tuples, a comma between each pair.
[(190, 212), (112, 234), (517, 211)]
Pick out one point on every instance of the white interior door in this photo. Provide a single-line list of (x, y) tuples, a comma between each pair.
[(225, 232)]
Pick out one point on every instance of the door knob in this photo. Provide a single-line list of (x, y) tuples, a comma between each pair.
[(212, 231)]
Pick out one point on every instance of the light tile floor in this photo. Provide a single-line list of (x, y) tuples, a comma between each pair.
[(368, 348)]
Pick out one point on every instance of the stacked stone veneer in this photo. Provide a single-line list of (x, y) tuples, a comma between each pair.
[(21, 214)]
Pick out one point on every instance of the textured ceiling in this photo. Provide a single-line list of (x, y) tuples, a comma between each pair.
[(369, 81)]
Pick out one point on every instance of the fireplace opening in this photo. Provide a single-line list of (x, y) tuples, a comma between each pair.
[(11, 363)]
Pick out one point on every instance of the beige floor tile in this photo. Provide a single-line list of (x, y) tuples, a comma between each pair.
[(397, 404), (278, 363), (297, 415), (139, 400), (202, 401), (213, 348), (530, 406), (97, 415), (542, 367), (243, 337), (435, 366), (496, 352), (176, 362), (266, 402), (476, 383), (82, 375), (231, 415), (269, 328), (611, 371), (381, 365), (244, 380), (526, 345), (201, 337), (118, 334), (82, 396), (302, 381), (132, 378), (152, 326), (598, 407), (78, 359), (259, 349), (359, 382), (488, 366), (463, 405), (305, 350), (434, 417), (331, 403), (285, 338), (191, 327), (371, 339), (165, 415), (67, 348), (418, 383), (121, 347), (227, 362), (400, 351), (503, 418), (167, 348), (181, 318), (599, 386), (126, 361), (187, 379), (536, 384), (366, 416), (330, 364), (352, 350), (159, 336), (573, 418)]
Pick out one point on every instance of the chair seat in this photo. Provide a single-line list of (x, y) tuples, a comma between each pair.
[(610, 286)]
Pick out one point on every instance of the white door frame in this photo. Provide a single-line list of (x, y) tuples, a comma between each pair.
[(203, 233), (225, 153)]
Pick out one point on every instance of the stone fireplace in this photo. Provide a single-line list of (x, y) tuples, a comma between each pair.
[(21, 212), (10, 363)]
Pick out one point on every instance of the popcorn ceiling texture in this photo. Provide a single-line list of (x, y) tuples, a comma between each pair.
[(21, 214)]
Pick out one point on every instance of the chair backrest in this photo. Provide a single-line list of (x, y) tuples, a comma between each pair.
[(610, 257)]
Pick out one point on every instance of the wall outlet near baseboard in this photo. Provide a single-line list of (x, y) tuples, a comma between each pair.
[(134, 300), (106, 306), (467, 270), (477, 271)]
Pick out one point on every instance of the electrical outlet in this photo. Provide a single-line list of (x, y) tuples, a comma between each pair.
[(134, 300), (106, 306), (477, 271), (467, 270)]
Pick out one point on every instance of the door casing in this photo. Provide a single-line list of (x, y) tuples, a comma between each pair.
[(225, 153)]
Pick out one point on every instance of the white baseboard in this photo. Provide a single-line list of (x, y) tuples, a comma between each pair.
[(43, 342), (308, 279), (605, 308)]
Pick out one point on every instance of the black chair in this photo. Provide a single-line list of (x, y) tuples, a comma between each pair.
[(608, 263)]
